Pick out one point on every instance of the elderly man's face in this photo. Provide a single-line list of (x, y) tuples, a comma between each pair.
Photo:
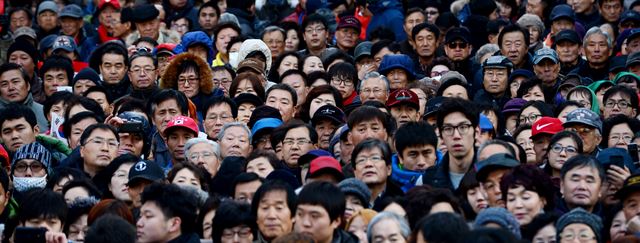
[(235, 142), (203, 156)]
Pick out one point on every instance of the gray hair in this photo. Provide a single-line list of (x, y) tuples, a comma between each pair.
[(504, 144), (484, 50), (234, 124), (273, 28), (191, 142), (402, 224), (375, 74), (597, 31)]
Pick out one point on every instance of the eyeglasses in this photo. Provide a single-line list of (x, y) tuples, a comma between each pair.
[(583, 131), (203, 155), (217, 82), (621, 103), (242, 233), (582, 236), (617, 137), (461, 45), (299, 142), (462, 129), (530, 118), (346, 82), (374, 91), (35, 167), (222, 117), (112, 143), (374, 159), (436, 73), (139, 69), (316, 30), (190, 80), (557, 148)]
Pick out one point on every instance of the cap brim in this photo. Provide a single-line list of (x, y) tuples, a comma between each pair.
[(316, 119), (327, 170), (625, 191), (539, 59)]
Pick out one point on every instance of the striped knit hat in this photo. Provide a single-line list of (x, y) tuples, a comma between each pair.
[(33, 151)]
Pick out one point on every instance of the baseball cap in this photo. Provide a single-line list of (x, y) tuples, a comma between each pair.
[(546, 125), (568, 35), (253, 64), (485, 124), (632, 59), (630, 185), (144, 13), (544, 53), (329, 112), (71, 11), (362, 49), (145, 170), (629, 15), (104, 3), (513, 105), (47, 6), (457, 33), (64, 42), (433, 105), (164, 48), (493, 162), (24, 31), (618, 64), (183, 122), (265, 123), (497, 62), (583, 116), (325, 164), (248, 98), (403, 96), (311, 155), (634, 33), (349, 21), (563, 11), (131, 116)]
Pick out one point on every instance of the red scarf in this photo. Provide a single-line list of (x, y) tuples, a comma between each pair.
[(104, 35)]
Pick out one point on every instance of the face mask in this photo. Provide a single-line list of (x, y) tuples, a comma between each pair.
[(22, 184), (233, 59)]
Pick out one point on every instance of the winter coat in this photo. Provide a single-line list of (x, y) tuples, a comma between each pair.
[(170, 76), (195, 37), (387, 14), (246, 20)]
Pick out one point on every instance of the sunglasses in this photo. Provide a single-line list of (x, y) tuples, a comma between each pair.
[(461, 45)]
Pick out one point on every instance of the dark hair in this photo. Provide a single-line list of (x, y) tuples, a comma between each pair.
[(285, 87), (338, 55), (580, 161), (273, 73), (270, 186), (85, 102), (226, 68), (441, 227), (314, 76), (245, 177), (255, 81), (406, 137), (293, 25), (222, 26), (560, 135), (378, 46), (55, 98), (167, 94), (539, 222), (498, 142), (210, 4), (135, 105), (326, 195), (532, 178), (457, 105), (75, 119), (111, 228), (78, 208), (57, 62), (370, 144), (102, 179), (143, 53), (608, 124), (9, 66), (219, 100), (260, 153), (110, 207), (527, 85), (98, 126), (197, 172), (146, 39), (367, 113), (295, 72), (44, 204), (84, 183), (64, 172), (514, 28), (99, 88), (233, 41), (313, 135), (21, 9), (277, 136), (4, 180), (231, 214), (582, 90), (344, 70), (303, 112), (14, 111), (563, 105), (314, 18), (422, 198), (381, 33), (174, 202), (623, 91), (110, 47), (211, 204), (467, 183), (543, 108)]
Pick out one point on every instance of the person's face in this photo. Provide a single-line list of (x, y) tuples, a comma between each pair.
[(313, 220), (581, 186), (288, 63), (352, 205), (19, 19), (281, 100), (244, 112), (418, 158), (203, 156), (244, 191), (238, 234), (274, 218), (106, 15), (590, 136), (460, 141), (18, 132), (291, 42), (529, 115), (492, 187), (577, 231), (295, 144), (359, 228), (374, 89), (457, 50), (222, 79), (82, 85), (371, 168), (99, 149), (297, 83), (24, 60), (367, 129), (75, 193), (581, 6), (524, 204), (398, 79), (568, 52), (477, 199), (142, 73), (235, 142), (548, 71), (545, 235), (189, 83), (275, 41), (321, 100), (611, 10), (77, 129), (411, 21), (315, 35), (404, 114), (387, 230), (206, 224), (422, 99), (51, 224), (311, 64), (534, 93), (164, 112), (432, 14), (47, 20), (346, 148), (153, 225), (535, 7), (208, 18), (563, 114), (620, 136), (455, 91), (633, 45), (186, 177), (150, 28), (618, 226), (596, 49), (132, 143), (347, 38), (495, 80), (260, 166), (118, 183), (618, 104), (560, 152), (324, 129), (101, 99), (175, 142), (514, 47), (181, 26), (53, 79), (113, 68), (216, 117), (561, 24), (524, 140), (425, 43), (222, 40), (377, 57), (585, 101), (29, 168), (70, 26), (245, 86), (505, 10), (510, 122)]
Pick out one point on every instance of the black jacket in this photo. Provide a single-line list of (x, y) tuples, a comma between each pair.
[(438, 176), (186, 238), (392, 190), (341, 236), (584, 70)]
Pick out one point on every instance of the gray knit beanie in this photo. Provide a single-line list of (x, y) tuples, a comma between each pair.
[(353, 186), (531, 20), (499, 216), (580, 216)]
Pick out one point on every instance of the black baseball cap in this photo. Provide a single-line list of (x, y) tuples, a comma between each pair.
[(329, 112), (568, 35), (145, 170), (457, 33)]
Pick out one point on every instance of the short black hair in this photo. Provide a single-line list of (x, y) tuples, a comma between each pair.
[(452, 105), (580, 161), (211, 204), (273, 73), (85, 102), (62, 173), (406, 136), (99, 88), (59, 62), (18, 9), (143, 53), (422, 198), (15, 111), (338, 55), (146, 39), (513, 28), (344, 70), (527, 85), (608, 124), (109, 47), (565, 104), (167, 94), (312, 19), (270, 186), (111, 228), (103, 178), (66, 126), (543, 108), (174, 202), (295, 72), (537, 223), (624, 91), (425, 26), (84, 183), (367, 113), (210, 4), (102, 126), (285, 87), (55, 98), (9, 66), (442, 227), (326, 195), (43, 204), (231, 214), (198, 172), (77, 208), (369, 144), (218, 100), (313, 135), (378, 46)]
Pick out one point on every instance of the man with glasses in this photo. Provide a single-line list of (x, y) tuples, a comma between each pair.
[(178, 131), (620, 100), (218, 111), (347, 33), (588, 126), (458, 49), (374, 86), (203, 153), (99, 146), (315, 34), (274, 37), (495, 72), (30, 167), (299, 139), (143, 74)]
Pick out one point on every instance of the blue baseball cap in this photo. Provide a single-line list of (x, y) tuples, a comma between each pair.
[(563, 11), (265, 123), (64, 42), (544, 53)]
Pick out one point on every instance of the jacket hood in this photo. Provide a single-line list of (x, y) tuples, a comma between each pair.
[(251, 45), (170, 77), (595, 105), (624, 74), (193, 38)]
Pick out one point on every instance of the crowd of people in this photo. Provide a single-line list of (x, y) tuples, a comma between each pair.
[(328, 121)]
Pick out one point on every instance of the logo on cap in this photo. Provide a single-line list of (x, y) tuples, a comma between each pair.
[(63, 41), (140, 166), (403, 95), (540, 126), (327, 111)]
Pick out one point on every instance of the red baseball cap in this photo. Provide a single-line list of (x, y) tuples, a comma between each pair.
[(181, 121), (546, 125), (325, 164), (113, 3), (403, 96)]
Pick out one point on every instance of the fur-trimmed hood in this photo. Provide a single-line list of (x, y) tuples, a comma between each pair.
[(170, 77)]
